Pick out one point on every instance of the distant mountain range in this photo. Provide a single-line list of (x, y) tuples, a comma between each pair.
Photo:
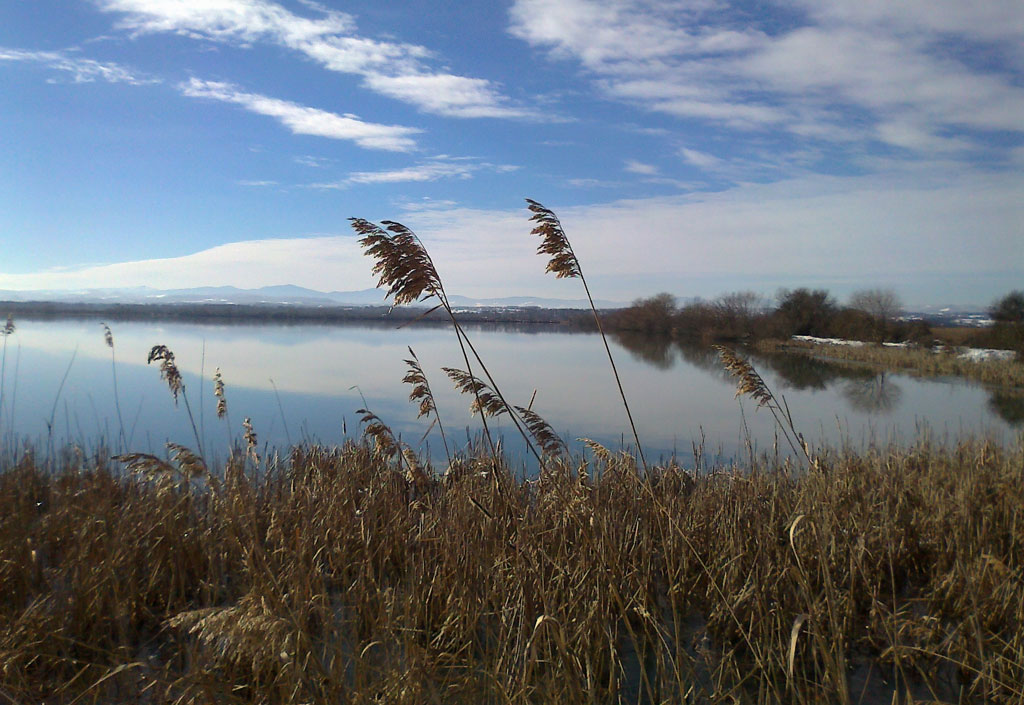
[(278, 295)]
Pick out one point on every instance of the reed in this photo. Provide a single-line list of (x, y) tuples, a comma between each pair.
[(175, 383), (893, 574), (563, 263), (7, 331), (422, 394), (407, 270), (108, 338)]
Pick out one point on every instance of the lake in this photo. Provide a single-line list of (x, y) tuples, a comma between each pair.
[(304, 383)]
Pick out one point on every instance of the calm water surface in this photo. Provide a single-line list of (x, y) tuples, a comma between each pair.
[(677, 395)]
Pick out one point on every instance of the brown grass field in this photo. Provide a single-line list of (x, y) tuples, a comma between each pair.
[(893, 575)]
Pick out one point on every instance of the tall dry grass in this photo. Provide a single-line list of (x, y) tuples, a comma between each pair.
[(914, 360), (886, 576)]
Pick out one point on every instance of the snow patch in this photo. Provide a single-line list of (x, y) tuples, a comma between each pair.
[(986, 355), (828, 341)]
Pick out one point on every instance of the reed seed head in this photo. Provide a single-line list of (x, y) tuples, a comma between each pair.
[(9, 326), (485, 400), (600, 452), (189, 464), (250, 440), (563, 262), (401, 262), (108, 337), (382, 435), (546, 438), (168, 369), (749, 382), (420, 388), (218, 391)]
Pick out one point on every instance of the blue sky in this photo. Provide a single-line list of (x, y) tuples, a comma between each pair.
[(695, 146)]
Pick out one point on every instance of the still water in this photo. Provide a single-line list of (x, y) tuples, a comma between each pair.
[(305, 383)]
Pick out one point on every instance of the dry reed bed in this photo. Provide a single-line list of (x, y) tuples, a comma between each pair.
[(919, 361), (335, 580)]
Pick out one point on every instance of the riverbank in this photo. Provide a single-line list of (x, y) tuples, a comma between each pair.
[(334, 578), (1002, 368)]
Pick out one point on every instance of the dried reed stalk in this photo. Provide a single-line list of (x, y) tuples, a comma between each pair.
[(421, 393), (108, 338), (170, 374), (6, 332), (564, 264), (405, 268), (750, 383)]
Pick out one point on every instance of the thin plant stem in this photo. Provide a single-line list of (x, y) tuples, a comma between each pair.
[(117, 401), (615, 370), (281, 410), (56, 400)]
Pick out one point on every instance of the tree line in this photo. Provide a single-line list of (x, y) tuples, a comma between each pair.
[(869, 315)]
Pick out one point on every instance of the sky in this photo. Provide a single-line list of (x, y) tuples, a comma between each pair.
[(695, 147)]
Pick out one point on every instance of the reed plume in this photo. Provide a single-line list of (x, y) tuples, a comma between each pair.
[(422, 394), (485, 401), (384, 439), (549, 441), (405, 268), (168, 369), (108, 338), (563, 263), (218, 391), (6, 332), (251, 442), (145, 464), (169, 373), (750, 383)]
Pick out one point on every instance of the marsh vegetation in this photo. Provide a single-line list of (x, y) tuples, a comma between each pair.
[(371, 572)]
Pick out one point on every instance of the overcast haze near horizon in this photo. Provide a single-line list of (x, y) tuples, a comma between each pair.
[(695, 147)]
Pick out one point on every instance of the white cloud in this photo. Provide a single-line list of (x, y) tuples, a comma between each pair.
[(304, 120), (896, 68), (635, 167), (440, 168), (445, 94), (908, 228), (326, 260), (699, 159), (256, 183), (311, 161), (81, 70), (397, 70)]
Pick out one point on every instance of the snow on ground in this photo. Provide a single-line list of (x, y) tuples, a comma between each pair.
[(986, 354), (828, 341), (970, 354)]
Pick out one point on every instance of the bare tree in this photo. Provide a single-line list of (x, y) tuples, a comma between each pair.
[(883, 305)]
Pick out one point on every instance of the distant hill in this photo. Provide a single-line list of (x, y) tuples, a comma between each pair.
[(287, 294)]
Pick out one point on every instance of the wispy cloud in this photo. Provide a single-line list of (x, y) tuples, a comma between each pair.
[(635, 167), (311, 161), (79, 69), (434, 170), (698, 158), (398, 70), (898, 67), (303, 120), (256, 183)]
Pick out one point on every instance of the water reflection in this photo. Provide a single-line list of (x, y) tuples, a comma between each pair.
[(877, 395), (802, 372), (656, 350), (1009, 406), (678, 393)]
